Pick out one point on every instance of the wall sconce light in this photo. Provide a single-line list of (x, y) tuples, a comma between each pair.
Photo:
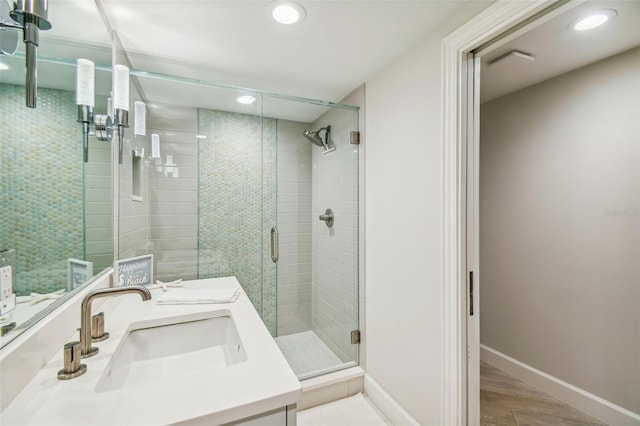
[(155, 145), (121, 103), (139, 119), (85, 99)]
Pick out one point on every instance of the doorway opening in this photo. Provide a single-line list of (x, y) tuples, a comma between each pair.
[(484, 250)]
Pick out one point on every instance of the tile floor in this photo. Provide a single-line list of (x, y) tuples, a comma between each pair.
[(356, 410), (307, 355), (505, 401)]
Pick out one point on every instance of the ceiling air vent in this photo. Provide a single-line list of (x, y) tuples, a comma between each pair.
[(512, 55)]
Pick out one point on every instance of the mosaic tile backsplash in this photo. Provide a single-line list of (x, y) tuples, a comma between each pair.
[(237, 204), (42, 186)]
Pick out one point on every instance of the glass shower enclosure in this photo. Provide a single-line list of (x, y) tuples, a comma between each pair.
[(231, 188)]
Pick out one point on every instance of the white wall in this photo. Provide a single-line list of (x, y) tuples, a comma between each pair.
[(404, 225), (560, 227)]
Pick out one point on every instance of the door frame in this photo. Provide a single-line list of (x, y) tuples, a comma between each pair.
[(498, 24)]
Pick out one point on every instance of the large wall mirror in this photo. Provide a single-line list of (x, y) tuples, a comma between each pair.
[(56, 205)]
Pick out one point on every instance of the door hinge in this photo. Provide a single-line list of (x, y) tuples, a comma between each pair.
[(355, 337), (355, 137), (471, 293)]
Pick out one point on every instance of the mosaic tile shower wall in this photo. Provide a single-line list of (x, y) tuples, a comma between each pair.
[(269, 220), (237, 204), (42, 186)]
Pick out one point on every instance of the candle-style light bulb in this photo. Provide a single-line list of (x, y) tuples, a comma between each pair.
[(85, 99), (121, 88), (121, 103), (85, 83), (140, 118)]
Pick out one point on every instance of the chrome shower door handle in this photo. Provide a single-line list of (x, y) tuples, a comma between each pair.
[(275, 245)]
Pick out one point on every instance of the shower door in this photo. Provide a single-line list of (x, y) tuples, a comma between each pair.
[(318, 229)]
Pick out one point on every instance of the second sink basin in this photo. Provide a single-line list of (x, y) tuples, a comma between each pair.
[(151, 354)]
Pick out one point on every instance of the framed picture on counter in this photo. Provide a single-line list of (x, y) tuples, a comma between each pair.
[(79, 271), (133, 271)]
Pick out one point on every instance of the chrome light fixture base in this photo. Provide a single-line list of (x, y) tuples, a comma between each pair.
[(121, 119), (31, 16)]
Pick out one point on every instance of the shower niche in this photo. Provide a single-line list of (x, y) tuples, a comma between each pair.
[(254, 179)]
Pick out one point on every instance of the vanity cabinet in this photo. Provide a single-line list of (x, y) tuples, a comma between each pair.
[(285, 416)]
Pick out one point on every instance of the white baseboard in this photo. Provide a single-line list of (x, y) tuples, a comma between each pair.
[(386, 404), (593, 405)]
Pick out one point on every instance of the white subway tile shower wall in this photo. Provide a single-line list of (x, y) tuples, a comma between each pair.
[(294, 226), (335, 250), (133, 235), (98, 208), (173, 237)]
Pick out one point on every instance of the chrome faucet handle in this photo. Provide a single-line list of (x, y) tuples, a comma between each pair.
[(97, 328), (72, 367)]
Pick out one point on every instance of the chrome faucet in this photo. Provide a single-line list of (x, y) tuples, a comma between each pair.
[(86, 350)]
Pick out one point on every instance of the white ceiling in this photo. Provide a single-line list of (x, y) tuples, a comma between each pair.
[(337, 47), (558, 48), (340, 44)]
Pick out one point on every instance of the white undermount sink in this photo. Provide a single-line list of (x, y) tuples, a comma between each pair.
[(151, 354)]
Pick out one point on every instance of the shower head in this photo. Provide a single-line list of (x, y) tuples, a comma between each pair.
[(314, 138)]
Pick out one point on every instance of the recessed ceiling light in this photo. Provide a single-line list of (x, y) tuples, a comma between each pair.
[(246, 99), (201, 136), (593, 20), (3, 67), (287, 12)]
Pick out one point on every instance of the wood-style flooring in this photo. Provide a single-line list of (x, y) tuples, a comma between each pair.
[(505, 401)]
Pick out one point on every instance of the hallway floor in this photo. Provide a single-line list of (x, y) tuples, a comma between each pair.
[(505, 401)]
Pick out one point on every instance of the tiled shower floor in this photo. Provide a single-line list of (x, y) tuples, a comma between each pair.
[(307, 355)]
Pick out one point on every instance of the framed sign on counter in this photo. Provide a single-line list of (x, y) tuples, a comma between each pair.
[(134, 271), (79, 271)]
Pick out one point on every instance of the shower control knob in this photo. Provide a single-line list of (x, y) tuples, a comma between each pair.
[(327, 217)]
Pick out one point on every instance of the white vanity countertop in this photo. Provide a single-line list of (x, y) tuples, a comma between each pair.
[(21, 314), (262, 383)]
